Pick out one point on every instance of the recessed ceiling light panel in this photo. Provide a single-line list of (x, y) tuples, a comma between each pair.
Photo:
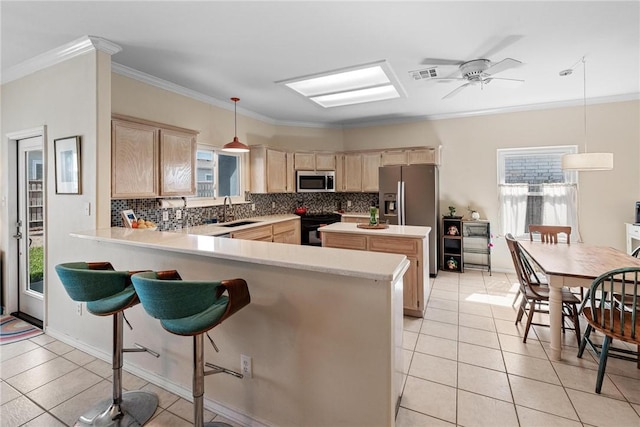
[(354, 85)]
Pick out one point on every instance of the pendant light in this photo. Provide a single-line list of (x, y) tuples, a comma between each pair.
[(585, 161), (235, 146)]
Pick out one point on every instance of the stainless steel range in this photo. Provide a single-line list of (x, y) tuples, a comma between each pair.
[(310, 222)]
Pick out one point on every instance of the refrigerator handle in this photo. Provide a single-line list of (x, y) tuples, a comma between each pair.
[(401, 204)]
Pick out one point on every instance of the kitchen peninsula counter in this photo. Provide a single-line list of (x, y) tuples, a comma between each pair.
[(318, 318)]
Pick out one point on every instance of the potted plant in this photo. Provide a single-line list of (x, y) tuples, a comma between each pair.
[(452, 211)]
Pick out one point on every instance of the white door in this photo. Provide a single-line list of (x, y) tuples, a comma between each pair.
[(31, 209)]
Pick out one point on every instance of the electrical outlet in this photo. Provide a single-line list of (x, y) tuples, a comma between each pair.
[(253, 206), (165, 215), (246, 368), (273, 205), (79, 309), (348, 203), (178, 214)]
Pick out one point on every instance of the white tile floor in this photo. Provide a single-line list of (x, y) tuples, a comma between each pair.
[(465, 361), (466, 365)]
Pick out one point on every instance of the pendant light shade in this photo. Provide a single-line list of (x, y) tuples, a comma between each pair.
[(235, 146), (588, 161), (585, 161)]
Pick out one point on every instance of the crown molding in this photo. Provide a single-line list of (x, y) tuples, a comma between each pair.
[(494, 111), (181, 90), (62, 53)]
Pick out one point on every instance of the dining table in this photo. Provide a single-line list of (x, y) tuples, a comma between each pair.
[(571, 265)]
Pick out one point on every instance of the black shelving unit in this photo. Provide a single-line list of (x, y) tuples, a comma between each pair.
[(477, 244), (452, 244)]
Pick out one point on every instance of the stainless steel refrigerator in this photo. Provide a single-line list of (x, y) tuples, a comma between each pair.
[(409, 196)]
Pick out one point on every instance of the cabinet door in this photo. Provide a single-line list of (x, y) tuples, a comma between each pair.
[(370, 166), (305, 161), (352, 172), (390, 158), (276, 171), (426, 156), (287, 232), (134, 160), (344, 241), (177, 163), (325, 162), (263, 233), (291, 173)]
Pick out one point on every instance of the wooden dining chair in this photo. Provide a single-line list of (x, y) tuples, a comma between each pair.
[(549, 233), (535, 293), (612, 309)]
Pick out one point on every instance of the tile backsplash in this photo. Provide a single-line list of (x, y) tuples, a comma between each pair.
[(149, 209)]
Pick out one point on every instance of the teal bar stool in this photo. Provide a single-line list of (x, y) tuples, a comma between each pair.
[(108, 293), (192, 308)]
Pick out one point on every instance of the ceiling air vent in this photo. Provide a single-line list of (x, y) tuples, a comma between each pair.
[(427, 73)]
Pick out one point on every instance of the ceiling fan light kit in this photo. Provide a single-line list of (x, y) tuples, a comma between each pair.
[(585, 161), (235, 146)]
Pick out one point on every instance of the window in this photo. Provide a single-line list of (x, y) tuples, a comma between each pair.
[(533, 189), (218, 174)]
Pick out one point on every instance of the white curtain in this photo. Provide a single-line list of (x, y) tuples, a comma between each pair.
[(513, 208), (560, 207)]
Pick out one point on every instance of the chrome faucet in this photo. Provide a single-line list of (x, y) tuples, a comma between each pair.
[(227, 217)]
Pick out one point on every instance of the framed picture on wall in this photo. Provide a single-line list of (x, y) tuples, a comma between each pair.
[(67, 161)]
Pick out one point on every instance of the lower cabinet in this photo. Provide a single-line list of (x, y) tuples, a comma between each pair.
[(287, 232), (415, 288), (279, 232)]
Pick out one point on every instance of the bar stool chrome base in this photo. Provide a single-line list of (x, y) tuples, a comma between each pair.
[(136, 408)]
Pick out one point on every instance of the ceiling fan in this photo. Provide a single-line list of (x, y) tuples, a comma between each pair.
[(476, 72), (479, 71)]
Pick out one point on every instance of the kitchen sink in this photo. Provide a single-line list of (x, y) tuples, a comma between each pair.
[(237, 224)]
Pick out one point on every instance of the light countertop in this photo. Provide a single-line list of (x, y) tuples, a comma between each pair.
[(355, 214), (393, 230), (369, 265), (217, 229)]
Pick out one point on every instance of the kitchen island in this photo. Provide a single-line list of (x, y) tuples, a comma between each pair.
[(323, 329), (412, 241)]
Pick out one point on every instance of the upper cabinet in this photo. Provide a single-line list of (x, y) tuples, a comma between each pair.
[(304, 161), (411, 156), (150, 159), (325, 161), (270, 172), (370, 166), (315, 161), (352, 173), (178, 160)]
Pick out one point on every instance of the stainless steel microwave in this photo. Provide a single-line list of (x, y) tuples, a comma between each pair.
[(318, 181)]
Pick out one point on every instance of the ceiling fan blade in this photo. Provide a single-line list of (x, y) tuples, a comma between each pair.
[(505, 64), (502, 44), (456, 90), (437, 61), (499, 81)]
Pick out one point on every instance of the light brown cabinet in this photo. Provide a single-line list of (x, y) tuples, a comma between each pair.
[(411, 156), (304, 161), (356, 219), (415, 283), (287, 232), (392, 158), (325, 161), (370, 166), (291, 174), (269, 171), (352, 173), (279, 232), (315, 161), (150, 159)]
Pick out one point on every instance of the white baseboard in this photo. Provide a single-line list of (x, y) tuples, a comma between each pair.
[(157, 380)]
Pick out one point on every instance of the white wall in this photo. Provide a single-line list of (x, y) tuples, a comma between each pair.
[(63, 98), (468, 173)]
